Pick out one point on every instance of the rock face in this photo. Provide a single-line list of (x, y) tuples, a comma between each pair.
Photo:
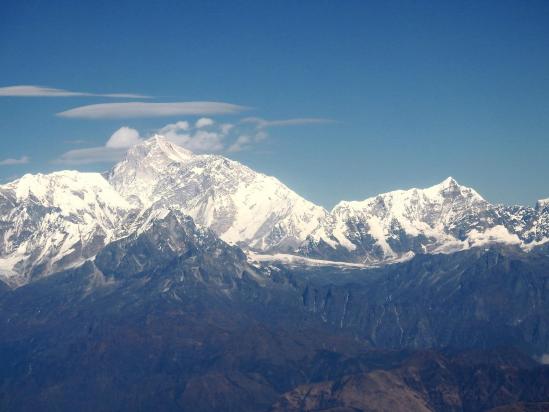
[(471, 299), (53, 222), (170, 317), (165, 241), (426, 381)]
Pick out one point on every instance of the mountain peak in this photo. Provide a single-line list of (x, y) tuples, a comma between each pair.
[(450, 187), (449, 182), (160, 146), (153, 154), (144, 165)]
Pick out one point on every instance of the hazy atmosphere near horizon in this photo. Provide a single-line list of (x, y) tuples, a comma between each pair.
[(339, 100), (274, 206)]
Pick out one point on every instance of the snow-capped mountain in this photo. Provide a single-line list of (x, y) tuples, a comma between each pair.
[(443, 218), (242, 206), (52, 222), (385, 226)]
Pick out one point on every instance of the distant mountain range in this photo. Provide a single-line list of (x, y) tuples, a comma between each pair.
[(53, 222)]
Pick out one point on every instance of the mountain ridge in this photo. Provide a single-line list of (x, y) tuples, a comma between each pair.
[(55, 221)]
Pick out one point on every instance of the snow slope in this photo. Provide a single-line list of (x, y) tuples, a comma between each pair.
[(242, 206), (444, 218), (50, 222)]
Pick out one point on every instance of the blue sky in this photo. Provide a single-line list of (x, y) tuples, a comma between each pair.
[(338, 99)]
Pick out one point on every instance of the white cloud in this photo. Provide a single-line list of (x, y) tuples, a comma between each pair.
[(39, 91), (180, 133), (194, 138), (174, 130), (226, 128), (123, 138), (21, 161), (143, 109), (245, 141), (203, 122), (203, 141), (241, 143), (112, 151), (180, 125), (247, 138), (263, 124), (226, 137), (218, 137)]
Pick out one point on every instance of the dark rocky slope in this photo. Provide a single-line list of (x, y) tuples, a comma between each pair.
[(172, 318), (474, 299)]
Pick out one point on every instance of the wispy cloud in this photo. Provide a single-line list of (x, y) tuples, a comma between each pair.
[(204, 135), (21, 161), (75, 141), (40, 91), (241, 143), (203, 122), (143, 109), (91, 155), (264, 124), (257, 130), (246, 141), (113, 150), (198, 138)]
